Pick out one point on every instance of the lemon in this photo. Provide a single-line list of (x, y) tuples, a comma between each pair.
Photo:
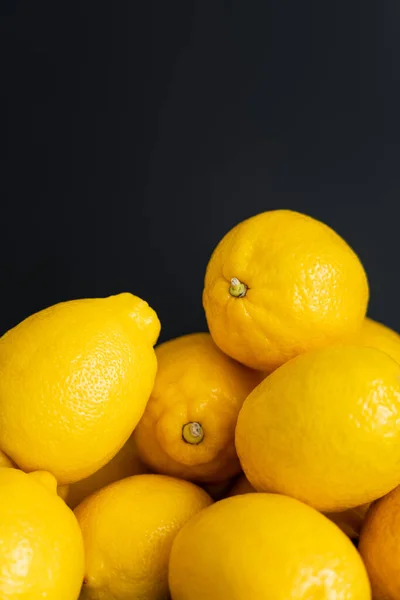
[(325, 428), (379, 546), (41, 549), (264, 546), (350, 521), (377, 335), (279, 284), (124, 464), (188, 427), (74, 382), (128, 529)]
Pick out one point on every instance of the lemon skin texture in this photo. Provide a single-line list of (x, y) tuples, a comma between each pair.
[(280, 284), (128, 529), (325, 428), (188, 427), (74, 382)]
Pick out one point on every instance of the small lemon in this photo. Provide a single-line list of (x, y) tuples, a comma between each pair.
[(74, 382), (325, 428), (279, 284), (124, 464), (188, 427), (41, 548), (379, 546), (264, 547), (128, 529)]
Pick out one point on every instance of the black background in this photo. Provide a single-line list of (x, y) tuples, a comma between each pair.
[(137, 134)]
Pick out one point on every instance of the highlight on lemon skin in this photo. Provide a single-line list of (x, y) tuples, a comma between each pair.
[(188, 427), (279, 284)]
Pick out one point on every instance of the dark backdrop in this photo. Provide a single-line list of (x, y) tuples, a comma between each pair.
[(138, 133)]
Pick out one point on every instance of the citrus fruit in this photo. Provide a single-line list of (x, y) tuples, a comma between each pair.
[(279, 284), (377, 335), (264, 546), (128, 529), (124, 464), (325, 428), (379, 546), (41, 545), (188, 427), (350, 521), (74, 382)]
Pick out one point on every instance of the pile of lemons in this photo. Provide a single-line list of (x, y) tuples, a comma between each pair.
[(259, 461)]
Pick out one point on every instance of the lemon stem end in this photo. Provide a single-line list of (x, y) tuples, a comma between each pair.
[(237, 288), (192, 433)]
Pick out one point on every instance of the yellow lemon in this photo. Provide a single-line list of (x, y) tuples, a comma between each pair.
[(128, 529), (279, 284), (188, 427), (74, 382), (41, 545), (377, 335), (350, 521), (379, 546), (124, 464), (325, 428), (264, 546)]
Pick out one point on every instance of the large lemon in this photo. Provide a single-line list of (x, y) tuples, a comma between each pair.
[(74, 382), (188, 427), (325, 428), (264, 547), (41, 547), (279, 284), (128, 529)]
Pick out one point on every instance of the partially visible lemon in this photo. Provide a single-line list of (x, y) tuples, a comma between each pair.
[(241, 486), (379, 546), (217, 490), (74, 382), (41, 548), (377, 335), (350, 521), (279, 284), (325, 428), (124, 464), (128, 529), (264, 546), (5, 461), (188, 427)]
